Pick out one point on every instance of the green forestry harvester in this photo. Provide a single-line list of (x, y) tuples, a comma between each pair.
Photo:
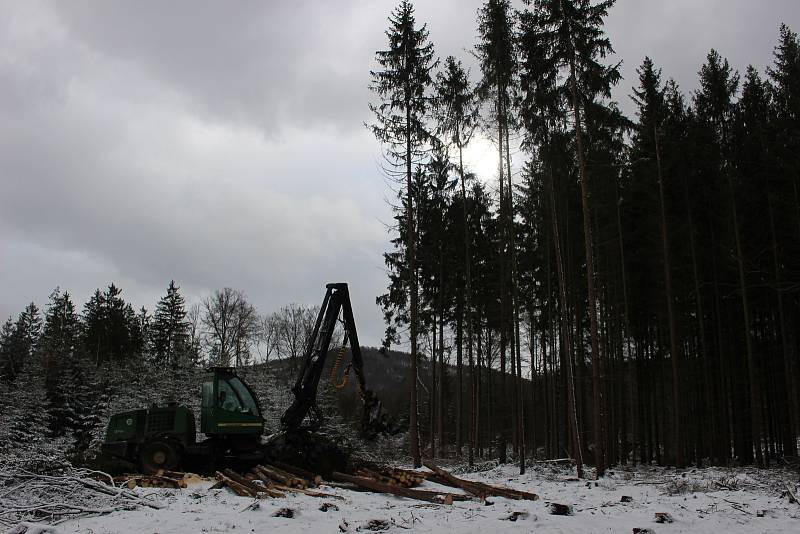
[(232, 420)]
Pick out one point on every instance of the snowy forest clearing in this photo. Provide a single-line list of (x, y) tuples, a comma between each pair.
[(696, 500)]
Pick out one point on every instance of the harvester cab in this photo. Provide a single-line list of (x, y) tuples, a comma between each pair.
[(228, 405)]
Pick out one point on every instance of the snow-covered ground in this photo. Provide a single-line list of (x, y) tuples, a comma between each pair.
[(715, 501)]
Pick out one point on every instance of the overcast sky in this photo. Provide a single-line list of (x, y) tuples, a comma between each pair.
[(222, 143)]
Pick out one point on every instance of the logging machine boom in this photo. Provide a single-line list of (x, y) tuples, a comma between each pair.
[(231, 418)]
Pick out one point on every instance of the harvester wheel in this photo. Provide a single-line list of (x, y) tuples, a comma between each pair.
[(157, 455)]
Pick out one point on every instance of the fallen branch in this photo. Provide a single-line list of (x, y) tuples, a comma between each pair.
[(31, 498)]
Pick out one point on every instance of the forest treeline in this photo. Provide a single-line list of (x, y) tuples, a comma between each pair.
[(624, 288)]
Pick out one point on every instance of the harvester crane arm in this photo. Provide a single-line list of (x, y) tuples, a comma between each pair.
[(337, 299)]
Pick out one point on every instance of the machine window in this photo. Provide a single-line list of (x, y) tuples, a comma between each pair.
[(227, 399), (249, 404), (208, 395)]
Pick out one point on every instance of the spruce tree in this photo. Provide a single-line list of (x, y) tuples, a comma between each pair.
[(402, 86), (650, 99), (110, 327), (21, 341), (169, 329), (93, 321), (61, 327), (7, 358), (60, 338)]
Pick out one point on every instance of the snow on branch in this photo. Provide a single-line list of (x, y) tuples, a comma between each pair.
[(29, 500)]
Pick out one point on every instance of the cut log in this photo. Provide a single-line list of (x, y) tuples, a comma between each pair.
[(479, 488), (297, 481), (436, 479), (249, 484), (237, 488), (405, 477), (345, 486), (270, 483), (368, 473), (238, 483), (281, 477), (255, 488), (374, 485), (265, 476), (310, 493), (299, 472), (394, 476)]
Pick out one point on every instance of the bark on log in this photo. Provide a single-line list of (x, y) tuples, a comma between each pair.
[(435, 497), (269, 485), (239, 489), (479, 488), (310, 493), (368, 473), (345, 486), (264, 475), (409, 478), (280, 477), (299, 472), (297, 481)]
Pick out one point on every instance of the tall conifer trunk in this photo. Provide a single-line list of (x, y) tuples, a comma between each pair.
[(413, 434), (597, 395), (566, 337), (790, 440), (433, 397), (755, 394), (710, 400), (516, 371), (503, 418), (467, 297), (674, 344)]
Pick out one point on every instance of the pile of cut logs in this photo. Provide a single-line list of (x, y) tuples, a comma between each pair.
[(275, 480), (271, 481)]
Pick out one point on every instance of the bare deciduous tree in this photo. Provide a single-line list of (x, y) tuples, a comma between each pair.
[(268, 336), (295, 324), (231, 324)]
